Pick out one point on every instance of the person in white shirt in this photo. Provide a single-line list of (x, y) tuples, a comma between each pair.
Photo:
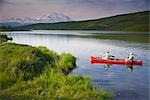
[(107, 56), (130, 57)]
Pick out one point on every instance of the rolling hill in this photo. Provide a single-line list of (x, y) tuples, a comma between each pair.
[(138, 21)]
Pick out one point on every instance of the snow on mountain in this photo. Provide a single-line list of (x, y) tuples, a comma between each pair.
[(55, 17), (49, 18)]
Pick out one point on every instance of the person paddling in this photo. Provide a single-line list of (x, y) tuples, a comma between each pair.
[(107, 55), (130, 57)]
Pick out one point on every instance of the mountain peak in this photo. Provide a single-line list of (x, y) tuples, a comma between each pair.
[(52, 17)]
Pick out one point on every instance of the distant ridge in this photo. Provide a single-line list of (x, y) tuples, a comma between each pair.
[(138, 21), (51, 17)]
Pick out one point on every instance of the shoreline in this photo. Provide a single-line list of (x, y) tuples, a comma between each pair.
[(23, 82)]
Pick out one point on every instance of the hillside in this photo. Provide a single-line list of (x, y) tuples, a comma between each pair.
[(138, 21)]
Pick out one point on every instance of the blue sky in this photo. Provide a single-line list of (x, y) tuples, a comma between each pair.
[(76, 9)]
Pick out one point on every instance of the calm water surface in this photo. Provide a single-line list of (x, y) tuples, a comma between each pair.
[(126, 83)]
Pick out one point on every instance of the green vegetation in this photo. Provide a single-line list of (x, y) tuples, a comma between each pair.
[(3, 28), (143, 38), (8, 28), (4, 38), (28, 72), (138, 22)]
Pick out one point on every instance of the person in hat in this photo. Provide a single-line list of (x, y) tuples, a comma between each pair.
[(130, 57), (107, 55)]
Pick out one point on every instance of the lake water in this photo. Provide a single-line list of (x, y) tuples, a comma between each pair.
[(124, 82)]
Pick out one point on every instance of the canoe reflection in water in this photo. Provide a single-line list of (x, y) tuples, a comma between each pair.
[(130, 68), (107, 66)]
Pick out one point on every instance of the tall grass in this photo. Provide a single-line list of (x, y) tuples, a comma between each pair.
[(55, 84), (29, 73)]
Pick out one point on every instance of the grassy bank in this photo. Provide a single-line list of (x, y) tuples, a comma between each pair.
[(28, 72)]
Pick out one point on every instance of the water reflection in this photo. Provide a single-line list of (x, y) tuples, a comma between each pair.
[(107, 66), (116, 77), (130, 67)]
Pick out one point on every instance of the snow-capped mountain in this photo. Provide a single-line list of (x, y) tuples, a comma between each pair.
[(49, 18), (54, 17)]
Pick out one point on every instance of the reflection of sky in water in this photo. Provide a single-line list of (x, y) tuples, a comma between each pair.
[(116, 78)]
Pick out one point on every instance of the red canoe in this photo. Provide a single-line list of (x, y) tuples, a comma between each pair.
[(114, 61)]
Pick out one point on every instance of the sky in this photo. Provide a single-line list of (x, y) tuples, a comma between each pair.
[(76, 9)]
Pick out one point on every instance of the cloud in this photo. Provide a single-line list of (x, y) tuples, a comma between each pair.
[(1, 4), (78, 9)]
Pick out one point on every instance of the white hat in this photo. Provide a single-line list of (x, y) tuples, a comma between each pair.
[(131, 53)]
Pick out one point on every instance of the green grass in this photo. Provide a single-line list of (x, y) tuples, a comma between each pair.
[(3, 29), (138, 22), (28, 73)]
